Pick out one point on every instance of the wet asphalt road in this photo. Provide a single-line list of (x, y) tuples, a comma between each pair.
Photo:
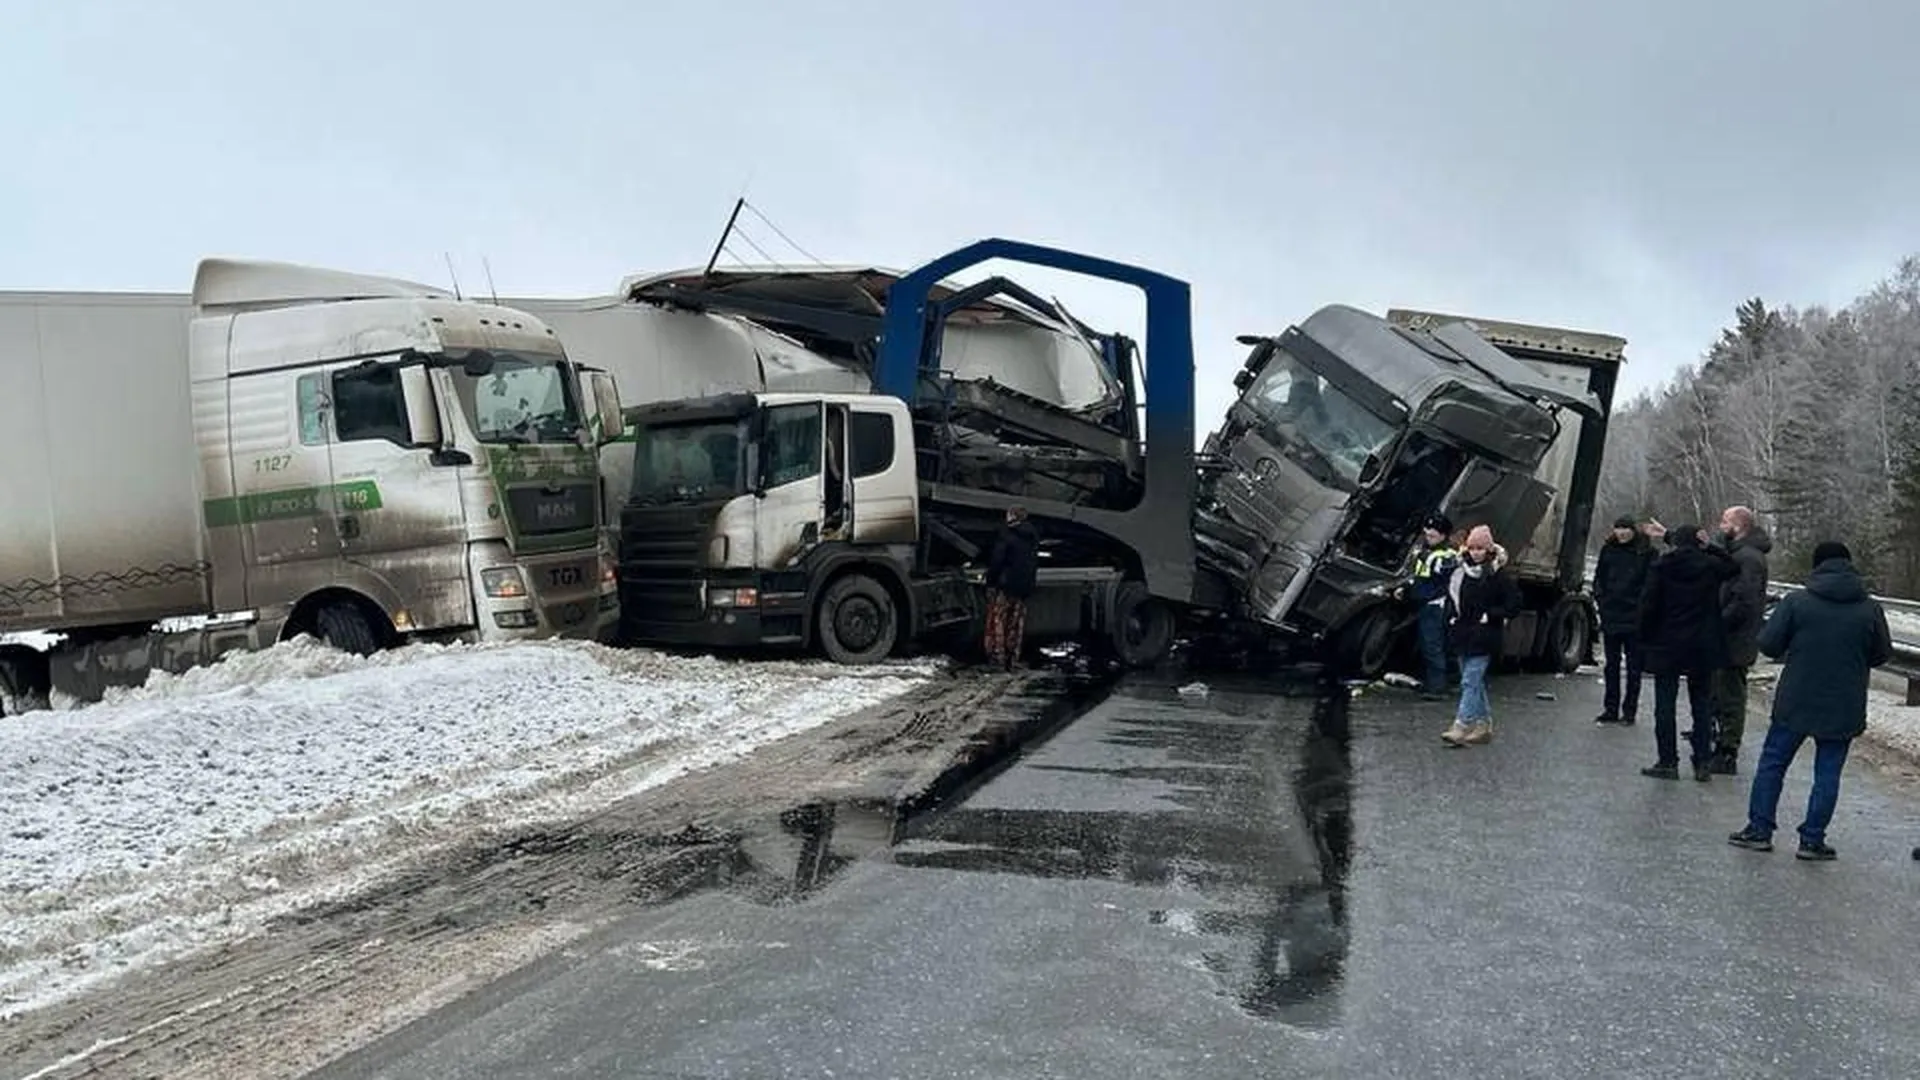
[(1253, 884)]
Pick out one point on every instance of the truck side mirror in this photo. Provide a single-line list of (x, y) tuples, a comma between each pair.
[(606, 404), (423, 415)]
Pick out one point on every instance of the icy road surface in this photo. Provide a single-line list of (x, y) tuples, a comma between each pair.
[(191, 811)]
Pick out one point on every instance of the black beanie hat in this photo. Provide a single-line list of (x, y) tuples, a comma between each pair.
[(1830, 549)]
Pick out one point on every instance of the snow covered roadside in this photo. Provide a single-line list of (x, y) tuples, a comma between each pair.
[(1894, 724), (190, 812)]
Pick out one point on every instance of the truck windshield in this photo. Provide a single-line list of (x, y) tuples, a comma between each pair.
[(1322, 429), (523, 399), (687, 462)]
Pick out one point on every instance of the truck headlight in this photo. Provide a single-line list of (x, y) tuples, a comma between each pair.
[(503, 582), (726, 598), (609, 571)]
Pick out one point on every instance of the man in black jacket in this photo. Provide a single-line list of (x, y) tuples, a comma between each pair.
[(1681, 636), (1619, 577), (1012, 566), (1743, 607), (1832, 635)]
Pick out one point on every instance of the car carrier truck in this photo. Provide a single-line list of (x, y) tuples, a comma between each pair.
[(286, 450), (856, 522)]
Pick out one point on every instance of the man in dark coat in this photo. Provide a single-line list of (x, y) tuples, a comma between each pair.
[(1681, 636), (1832, 635), (1012, 566), (1619, 577), (1743, 607)]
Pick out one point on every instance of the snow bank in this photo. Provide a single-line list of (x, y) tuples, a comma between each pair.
[(189, 811), (1893, 723)]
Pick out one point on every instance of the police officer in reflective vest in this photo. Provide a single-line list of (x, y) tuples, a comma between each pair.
[(1433, 564)]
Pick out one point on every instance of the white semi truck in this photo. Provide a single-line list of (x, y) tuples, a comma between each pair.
[(288, 449)]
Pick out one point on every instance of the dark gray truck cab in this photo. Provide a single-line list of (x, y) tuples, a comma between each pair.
[(1350, 430)]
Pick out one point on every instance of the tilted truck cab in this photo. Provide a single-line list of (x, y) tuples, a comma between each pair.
[(293, 450), (1349, 431)]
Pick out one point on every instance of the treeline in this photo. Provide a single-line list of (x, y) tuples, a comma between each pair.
[(1810, 416)]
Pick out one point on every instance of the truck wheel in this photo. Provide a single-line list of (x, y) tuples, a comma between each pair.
[(25, 680), (1569, 637), (344, 626), (1364, 644), (857, 621), (1142, 628)]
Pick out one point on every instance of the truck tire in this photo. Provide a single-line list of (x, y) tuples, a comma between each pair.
[(1569, 637), (857, 623), (1362, 647), (345, 626), (1141, 630), (25, 680)]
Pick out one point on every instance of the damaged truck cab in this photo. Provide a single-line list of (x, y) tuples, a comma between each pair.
[(1349, 431)]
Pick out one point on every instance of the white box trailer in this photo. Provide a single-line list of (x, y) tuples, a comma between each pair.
[(298, 450), (100, 497)]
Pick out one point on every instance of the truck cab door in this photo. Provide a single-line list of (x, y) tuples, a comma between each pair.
[(791, 507), (836, 487), (400, 518), (1510, 503), (886, 490), (282, 501)]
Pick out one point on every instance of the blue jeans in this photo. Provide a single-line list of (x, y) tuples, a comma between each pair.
[(1433, 646), (1829, 757), (1474, 706)]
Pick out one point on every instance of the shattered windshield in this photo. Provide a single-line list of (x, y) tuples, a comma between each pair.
[(523, 399), (689, 461), (1322, 429)]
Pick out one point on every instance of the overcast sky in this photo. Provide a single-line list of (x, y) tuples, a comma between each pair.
[(1638, 168)]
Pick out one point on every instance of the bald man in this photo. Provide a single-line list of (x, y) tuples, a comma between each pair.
[(1743, 609)]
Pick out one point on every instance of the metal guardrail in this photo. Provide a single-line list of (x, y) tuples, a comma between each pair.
[(1906, 663), (1893, 606), (1906, 653)]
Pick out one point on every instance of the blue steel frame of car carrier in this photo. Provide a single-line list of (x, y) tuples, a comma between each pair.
[(1158, 530)]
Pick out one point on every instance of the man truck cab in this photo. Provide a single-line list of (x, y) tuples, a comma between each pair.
[(289, 450)]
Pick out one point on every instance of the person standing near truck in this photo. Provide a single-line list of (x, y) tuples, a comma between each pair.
[(1619, 577), (1012, 567), (1743, 608), (1681, 636), (1832, 635), (1481, 597), (1433, 567)]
